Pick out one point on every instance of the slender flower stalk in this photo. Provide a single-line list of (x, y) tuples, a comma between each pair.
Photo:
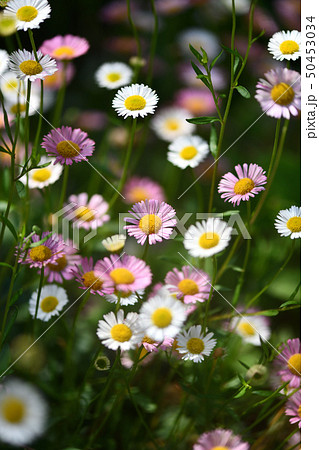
[(38, 299)]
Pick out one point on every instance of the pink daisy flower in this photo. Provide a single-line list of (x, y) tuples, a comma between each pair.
[(153, 346), (65, 47), (126, 274), (68, 145), (62, 267), (88, 214), (288, 363), (188, 285), (220, 439), (198, 101), (248, 183), (151, 219), (138, 189), (55, 81), (280, 94), (293, 408), (48, 252), (86, 274)]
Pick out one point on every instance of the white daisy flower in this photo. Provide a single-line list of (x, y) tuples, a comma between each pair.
[(25, 66), (199, 37), (113, 75), (40, 178), (187, 151), (285, 45), (114, 243), (23, 413), (170, 123), (10, 86), (207, 238), (12, 104), (8, 25), (288, 222), (126, 298), (135, 100), (28, 13), (53, 298), (115, 331), (251, 327), (162, 316), (193, 345), (4, 57)]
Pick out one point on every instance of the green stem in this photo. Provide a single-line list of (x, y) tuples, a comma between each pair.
[(153, 44), (60, 99), (275, 147), (147, 244), (137, 39), (126, 164), (37, 136), (290, 253), (33, 44), (64, 185), (26, 144), (38, 299), (210, 295)]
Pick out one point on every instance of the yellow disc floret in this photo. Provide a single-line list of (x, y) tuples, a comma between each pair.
[(120, 275), (162, 317), (41, 175), (172, 124), (63, 52), (113, 77), (60, 264), (282, 94), (294, 364), (289, 47), (138, 194), (135, 103), (294, 224), (209, 240), (40, 253), (85, 214), (90, 280), (243, 186), (121, 332), (220, 447), (188, 287), (13, 410), (188, 152), (150, 223), (195, 345), (48, 304), (27, 13), (30, 67), (68, 149), (246, 329)]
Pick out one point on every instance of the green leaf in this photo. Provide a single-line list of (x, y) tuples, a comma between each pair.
[(291, 300), (10, 226), (203, 120), (213, 141), (6, 265), (243, 364), (13, 312), (196, 69), (197, 55), (4, 150), (236, 62), (236, 268), (16, 296), (243, 91), (205, 57), (20, 189), (233, 52), (215, 60), (269, 312), (259, 36)]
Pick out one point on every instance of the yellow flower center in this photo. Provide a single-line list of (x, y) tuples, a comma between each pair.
[(121, 332), (64, 52), (150, 224), (12, 85), (13, 410), (282, 94), (7, 25), (112, 77), (41, 174), (135, 103), (244, 186), (148, 340), (246, 329), (209, 240), (188, 287), (48, 304), (195, 345), (289, 47), (121, 275), (294, 224), (27, 13), (18, 108), (172, 124), (61, 264), (138, 194), (220, 447), (294, 364), (30, 67), (188, 152), (90, 280), (162, 317), (85, 214), (299, 411), (40, 253), (67, 149)]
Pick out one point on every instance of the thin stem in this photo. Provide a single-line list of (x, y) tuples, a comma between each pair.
[(147, 244), (33, 44), (60, 99), (275, 147), (153, 44), (210, 294), (126, 164), (37, 136), (135, 33), (64, 185), (38, 299)]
